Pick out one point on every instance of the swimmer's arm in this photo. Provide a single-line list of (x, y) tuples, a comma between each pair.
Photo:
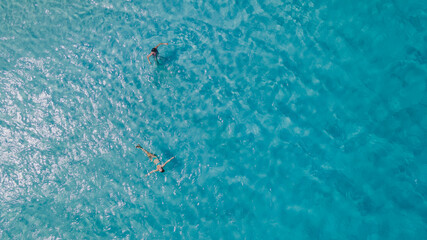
[(161, 44), (167, 161), (152, 172), (148, 57)]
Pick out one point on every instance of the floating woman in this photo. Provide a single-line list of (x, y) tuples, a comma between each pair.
[(155, 160)]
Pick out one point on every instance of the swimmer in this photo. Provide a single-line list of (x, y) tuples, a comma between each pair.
[(154, 52), (155, 160)]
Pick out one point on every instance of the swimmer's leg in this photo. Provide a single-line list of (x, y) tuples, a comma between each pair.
[(149, 155)]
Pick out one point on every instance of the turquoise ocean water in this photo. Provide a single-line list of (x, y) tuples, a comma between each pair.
[(288, 119)]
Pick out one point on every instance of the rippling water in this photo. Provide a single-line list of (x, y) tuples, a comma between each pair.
[(288, 119)]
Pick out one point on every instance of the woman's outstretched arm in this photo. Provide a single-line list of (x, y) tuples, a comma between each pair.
[(167, 161), (151, 172)]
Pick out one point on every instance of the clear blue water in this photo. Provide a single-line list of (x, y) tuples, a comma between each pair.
[(288, 119)]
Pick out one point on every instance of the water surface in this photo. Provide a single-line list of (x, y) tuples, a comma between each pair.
[(288, 119)]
